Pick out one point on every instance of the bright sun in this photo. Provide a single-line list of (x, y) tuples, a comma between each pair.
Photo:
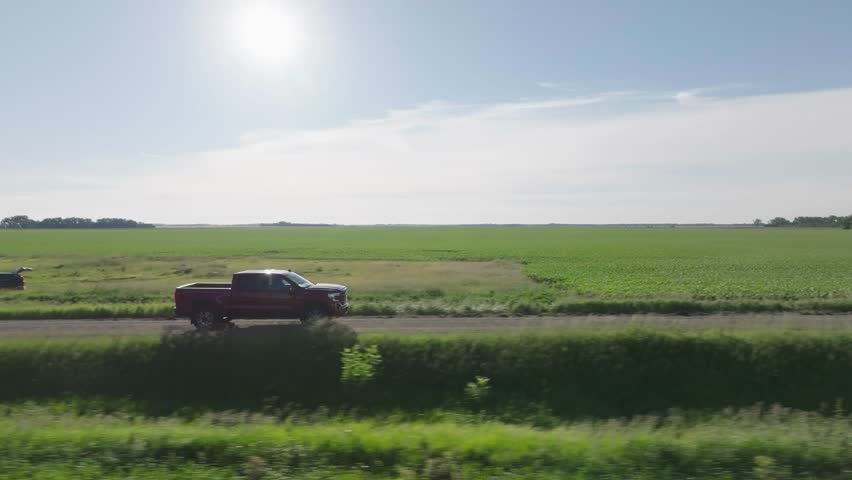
[(268, 35)]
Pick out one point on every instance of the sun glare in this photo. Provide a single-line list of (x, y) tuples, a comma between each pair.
[(268, 35)]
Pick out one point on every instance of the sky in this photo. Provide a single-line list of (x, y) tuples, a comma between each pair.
[(370, 111)]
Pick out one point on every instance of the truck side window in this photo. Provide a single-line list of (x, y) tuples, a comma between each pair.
[(278, 283), (242, 282), (253, 282)]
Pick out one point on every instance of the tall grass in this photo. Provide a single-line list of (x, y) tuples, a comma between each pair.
[(746, 444), (87, 311)]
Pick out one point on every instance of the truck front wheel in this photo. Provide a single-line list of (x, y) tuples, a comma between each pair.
[(206, 318), (312, 315)]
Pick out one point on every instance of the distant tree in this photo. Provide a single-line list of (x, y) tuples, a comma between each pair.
[(779, 222), (120, 223), (283, 223), (846, 222), (49, 223), (17, 221), (829, 221), (758, 222), (23, 221)]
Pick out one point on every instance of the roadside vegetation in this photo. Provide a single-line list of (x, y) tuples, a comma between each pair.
[(443, 270), (761, 444), (602, 374), (319, 402)]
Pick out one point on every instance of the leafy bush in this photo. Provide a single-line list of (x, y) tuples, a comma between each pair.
[(765, 468), (360, 363), (477, 390)]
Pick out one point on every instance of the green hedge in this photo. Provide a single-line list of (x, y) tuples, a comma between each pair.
[(571, 374), (621, 373)]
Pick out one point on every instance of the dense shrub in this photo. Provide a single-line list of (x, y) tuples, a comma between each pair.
[(621, 373), (246, 367)]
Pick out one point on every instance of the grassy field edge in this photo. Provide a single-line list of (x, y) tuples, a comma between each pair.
[(516, 308)]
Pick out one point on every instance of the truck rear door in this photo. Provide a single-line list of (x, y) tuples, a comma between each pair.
[(247, 291)]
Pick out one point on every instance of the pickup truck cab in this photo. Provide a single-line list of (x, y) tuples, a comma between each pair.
[(259, 294)]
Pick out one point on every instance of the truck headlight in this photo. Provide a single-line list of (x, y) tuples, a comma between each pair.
[(334, 296)]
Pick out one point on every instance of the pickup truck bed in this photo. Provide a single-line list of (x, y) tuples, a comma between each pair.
[(206, 286)]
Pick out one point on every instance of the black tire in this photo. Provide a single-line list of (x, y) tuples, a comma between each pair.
[(207, 318), (312, 315)]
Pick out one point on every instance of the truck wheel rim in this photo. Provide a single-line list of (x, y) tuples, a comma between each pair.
[(205, 319)]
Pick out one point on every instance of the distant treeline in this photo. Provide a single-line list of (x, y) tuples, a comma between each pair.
[(824, 222), (288, 224), (23, 221)]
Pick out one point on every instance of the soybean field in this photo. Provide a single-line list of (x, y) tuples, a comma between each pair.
[(443, 270)]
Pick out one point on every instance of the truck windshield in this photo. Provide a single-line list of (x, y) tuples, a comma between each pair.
[(298, 279)]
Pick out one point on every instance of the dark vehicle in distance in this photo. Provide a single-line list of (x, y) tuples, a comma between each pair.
[(259, 294), (14, 279)]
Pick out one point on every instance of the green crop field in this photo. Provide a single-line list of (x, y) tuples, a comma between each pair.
[(443, 270)]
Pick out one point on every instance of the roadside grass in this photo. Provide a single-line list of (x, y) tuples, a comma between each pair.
[(761, 443), (452, 307), (82, 311)]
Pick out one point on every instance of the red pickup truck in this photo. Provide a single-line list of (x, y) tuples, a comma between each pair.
[(259, 294)]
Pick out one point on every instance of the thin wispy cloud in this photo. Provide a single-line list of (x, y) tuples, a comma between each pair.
[(562, 87), (704, 95), (549, 85)]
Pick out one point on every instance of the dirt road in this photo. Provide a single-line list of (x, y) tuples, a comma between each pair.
[(420, 325)]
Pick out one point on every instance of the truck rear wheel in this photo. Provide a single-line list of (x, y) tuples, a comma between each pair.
[(207, 318)]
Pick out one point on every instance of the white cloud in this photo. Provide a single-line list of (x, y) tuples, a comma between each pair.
[(561, 160), (690, 97)]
